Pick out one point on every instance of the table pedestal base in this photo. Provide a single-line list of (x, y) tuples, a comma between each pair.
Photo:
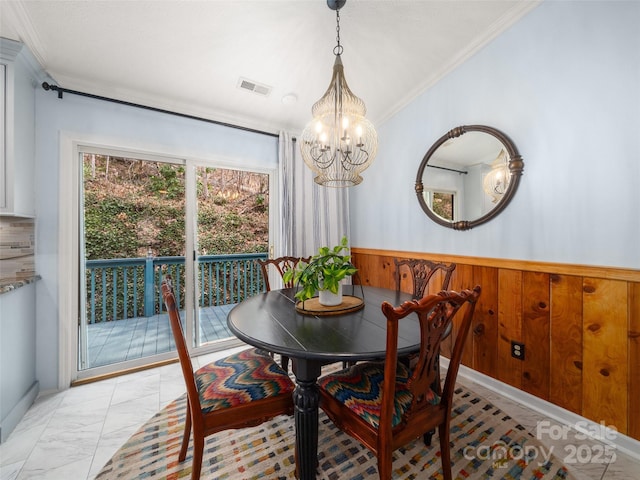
[(306, 399)]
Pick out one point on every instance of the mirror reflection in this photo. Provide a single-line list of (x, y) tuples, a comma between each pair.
[(468, 176)]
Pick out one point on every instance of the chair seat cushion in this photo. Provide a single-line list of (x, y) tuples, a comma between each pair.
[(241, 378), (360, 389)]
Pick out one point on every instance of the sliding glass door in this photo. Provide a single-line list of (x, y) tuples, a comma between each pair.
[(143, 218)]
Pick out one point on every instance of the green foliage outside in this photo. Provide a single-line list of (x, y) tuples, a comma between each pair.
[(443, 205), (167, 182), (134, 207)]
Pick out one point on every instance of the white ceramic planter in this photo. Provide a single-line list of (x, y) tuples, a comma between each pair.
[(330, 299)]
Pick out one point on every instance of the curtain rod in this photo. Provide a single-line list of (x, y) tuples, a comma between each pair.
[(61, 91), (449, 169)]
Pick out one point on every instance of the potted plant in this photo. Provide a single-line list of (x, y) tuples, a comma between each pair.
[(323, 274)]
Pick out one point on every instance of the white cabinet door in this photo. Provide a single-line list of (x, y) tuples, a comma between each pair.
[(17, 165), (3, 131)]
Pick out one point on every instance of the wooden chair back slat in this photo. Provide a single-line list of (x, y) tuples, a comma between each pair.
[(422, 272), (281, 264)]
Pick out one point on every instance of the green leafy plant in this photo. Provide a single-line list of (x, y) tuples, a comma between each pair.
[(324, 271)]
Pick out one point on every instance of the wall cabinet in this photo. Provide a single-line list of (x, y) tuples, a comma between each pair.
[(19, 75)]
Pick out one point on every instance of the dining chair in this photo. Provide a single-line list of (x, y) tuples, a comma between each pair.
[(242, 390), (281, 265), (385, 405), (421, 272)]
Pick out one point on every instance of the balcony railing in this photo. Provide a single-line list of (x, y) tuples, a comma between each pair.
[(122, 288)]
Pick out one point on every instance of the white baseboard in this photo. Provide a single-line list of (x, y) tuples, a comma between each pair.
[(17, 412), (582, 425)]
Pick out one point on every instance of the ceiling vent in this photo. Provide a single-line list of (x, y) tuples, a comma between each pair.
[(255, 87)]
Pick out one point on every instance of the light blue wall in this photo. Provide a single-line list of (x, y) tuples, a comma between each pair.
[(125, 127), (564, 84)]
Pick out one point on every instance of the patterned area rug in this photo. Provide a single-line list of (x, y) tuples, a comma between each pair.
[(486, 444)]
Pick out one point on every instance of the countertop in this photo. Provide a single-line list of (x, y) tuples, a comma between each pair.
[(9, 285)]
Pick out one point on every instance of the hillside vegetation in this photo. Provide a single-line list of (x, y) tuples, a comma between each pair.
[(133, 206)]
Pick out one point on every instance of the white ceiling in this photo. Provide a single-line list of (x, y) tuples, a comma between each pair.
[(188, 56)]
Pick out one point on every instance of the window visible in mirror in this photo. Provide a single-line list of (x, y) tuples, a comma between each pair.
[(443, 204)]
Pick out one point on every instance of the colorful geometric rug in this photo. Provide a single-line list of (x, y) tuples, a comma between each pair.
[(486, 444)]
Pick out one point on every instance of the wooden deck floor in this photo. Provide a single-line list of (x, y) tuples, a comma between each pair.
[(133, 338)]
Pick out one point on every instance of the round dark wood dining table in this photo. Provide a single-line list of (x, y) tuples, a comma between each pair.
[(270, 321)]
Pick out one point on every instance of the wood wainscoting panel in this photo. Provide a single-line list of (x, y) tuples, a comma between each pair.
[(585, 342), (634, 360), (509, 326), (605, 371), (536, 333), (384, 275), (565, 372), (485, 321), (377, 271)]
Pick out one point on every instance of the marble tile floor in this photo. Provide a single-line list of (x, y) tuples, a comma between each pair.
[(70, 435)]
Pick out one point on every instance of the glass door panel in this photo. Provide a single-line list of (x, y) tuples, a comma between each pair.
[(232, 233), (133, 233)]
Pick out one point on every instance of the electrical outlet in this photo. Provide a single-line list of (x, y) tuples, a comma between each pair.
[(517, 350)]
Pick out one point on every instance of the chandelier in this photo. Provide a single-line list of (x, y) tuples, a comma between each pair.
[(339, 143), (497, 180)]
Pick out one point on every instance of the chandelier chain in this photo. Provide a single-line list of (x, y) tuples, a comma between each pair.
[(337, 50)]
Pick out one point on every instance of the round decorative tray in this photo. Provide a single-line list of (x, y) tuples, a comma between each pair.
[(312, 306)]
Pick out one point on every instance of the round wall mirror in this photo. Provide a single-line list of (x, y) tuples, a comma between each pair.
[(468, 176)]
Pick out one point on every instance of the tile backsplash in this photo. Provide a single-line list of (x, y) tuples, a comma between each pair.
[(17, 242)]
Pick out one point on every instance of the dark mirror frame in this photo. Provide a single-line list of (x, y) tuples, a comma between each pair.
[(516, 167)]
